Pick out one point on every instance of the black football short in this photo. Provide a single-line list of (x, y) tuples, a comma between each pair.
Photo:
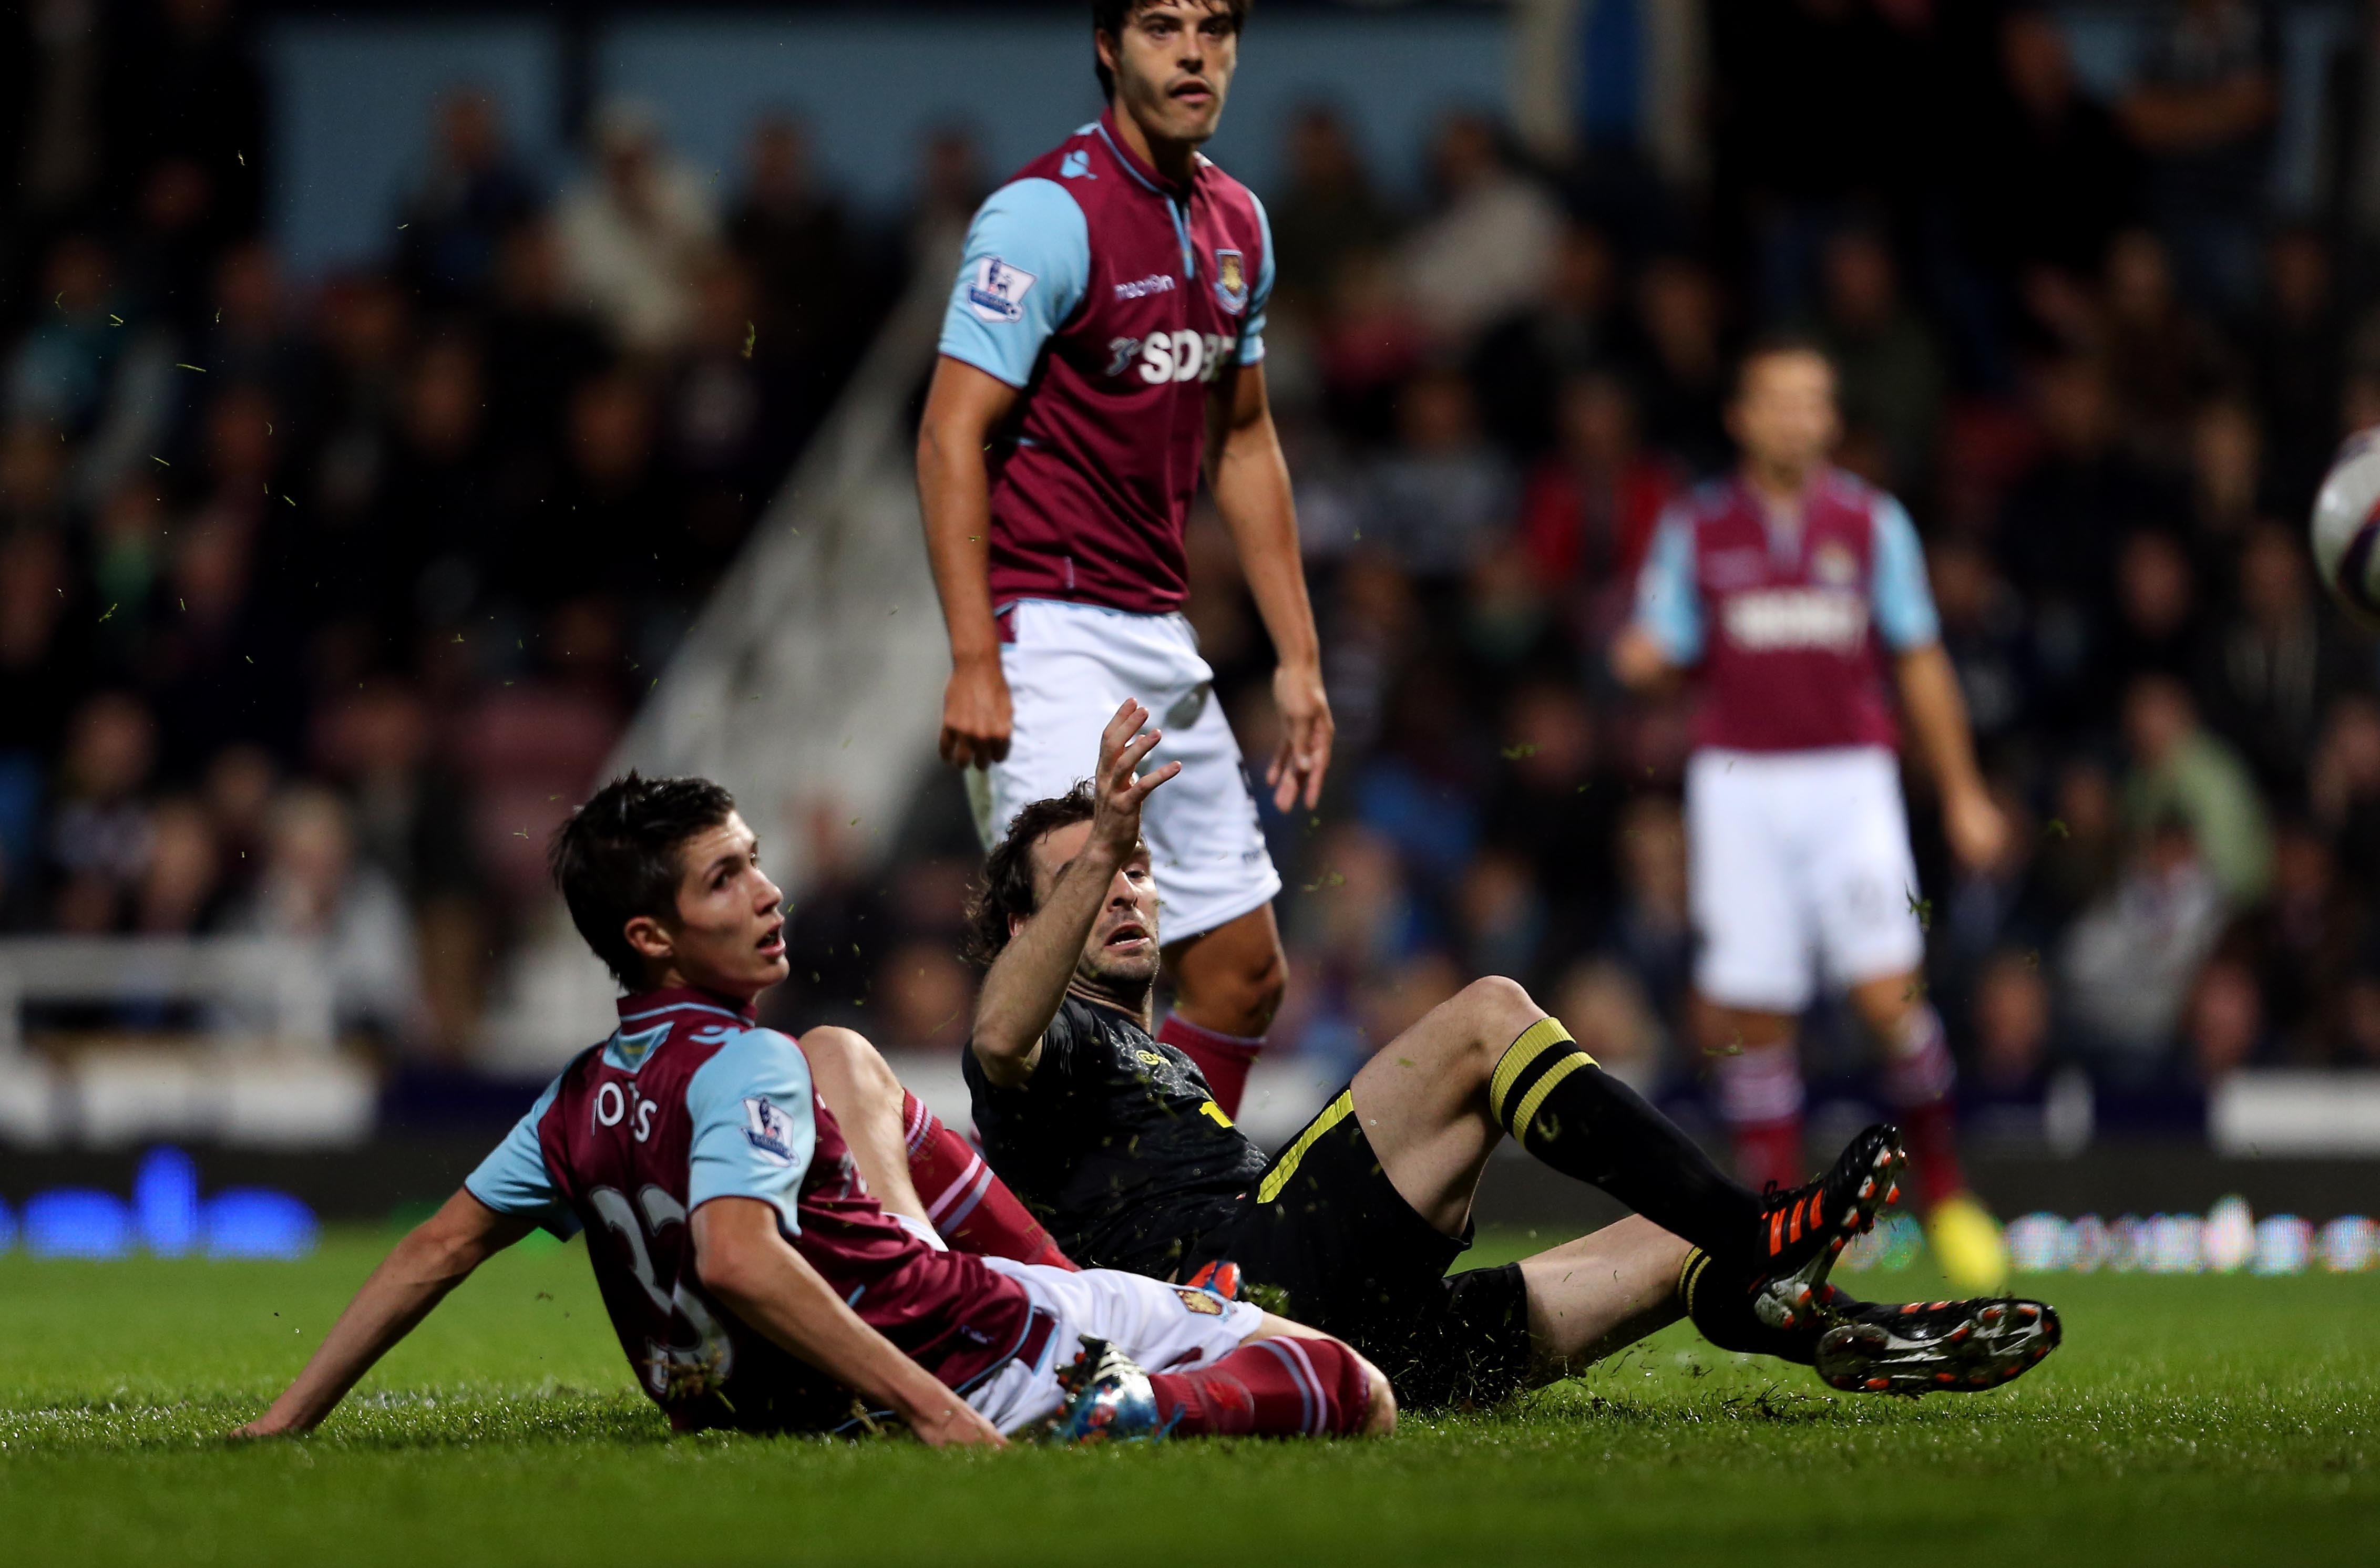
[(1346, 1253)]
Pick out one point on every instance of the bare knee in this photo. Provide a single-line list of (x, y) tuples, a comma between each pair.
[(852, 1075), (1380, 1409), (1230, 985), (1497, 1010)]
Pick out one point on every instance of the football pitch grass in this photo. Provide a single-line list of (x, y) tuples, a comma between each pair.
[(2187, 1420)]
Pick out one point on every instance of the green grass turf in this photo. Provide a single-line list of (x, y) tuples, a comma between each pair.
[(2187, 1420)]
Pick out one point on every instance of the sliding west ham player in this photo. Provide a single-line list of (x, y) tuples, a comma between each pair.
[(753, 1280), (1104, 345)]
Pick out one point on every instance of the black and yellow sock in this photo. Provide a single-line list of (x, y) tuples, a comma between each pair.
[(1717, 1301), (1585, 1123)]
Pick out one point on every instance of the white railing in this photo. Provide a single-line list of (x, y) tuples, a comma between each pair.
[(261, 984)]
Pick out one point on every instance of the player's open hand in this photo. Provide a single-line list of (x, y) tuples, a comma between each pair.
[(954, 1423), (1120, 788), (1306, 731)]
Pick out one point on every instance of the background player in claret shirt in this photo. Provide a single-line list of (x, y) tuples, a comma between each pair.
[(1103, 347), (1790, 588), (753, 1279)]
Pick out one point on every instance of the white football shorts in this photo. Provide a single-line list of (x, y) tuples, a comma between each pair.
[(1799, 869), (1070, 666), (1165, 1328)]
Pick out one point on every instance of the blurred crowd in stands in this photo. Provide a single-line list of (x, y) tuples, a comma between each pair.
[(320, 601), (319, 604)]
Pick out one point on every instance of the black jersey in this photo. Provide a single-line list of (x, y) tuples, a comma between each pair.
[(1115, 1143)]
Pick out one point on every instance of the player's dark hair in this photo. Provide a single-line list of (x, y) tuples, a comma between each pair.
[(617, 858), (1776, 346), (1006, 891), (1109, 16)]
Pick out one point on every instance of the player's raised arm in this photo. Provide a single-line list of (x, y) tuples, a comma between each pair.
[(435, 1257), (1027, 981), (744, 1262), (1250, 481), (964, 406)]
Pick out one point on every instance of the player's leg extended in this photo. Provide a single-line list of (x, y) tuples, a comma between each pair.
[(1434, 1101), (912, 1163), (1753, 972), (857, 1084), (1601, 1292)]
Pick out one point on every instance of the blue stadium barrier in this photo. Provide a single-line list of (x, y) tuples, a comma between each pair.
[(78, 1223), (250, 1221), (166, 1217)]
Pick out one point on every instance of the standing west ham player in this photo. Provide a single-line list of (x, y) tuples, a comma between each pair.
[(1103, 347), (1789, 585)]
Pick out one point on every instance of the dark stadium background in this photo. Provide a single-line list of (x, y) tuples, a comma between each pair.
[(345, 523)]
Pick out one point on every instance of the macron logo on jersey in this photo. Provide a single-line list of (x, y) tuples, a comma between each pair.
[(770, 1131), (998, 290)]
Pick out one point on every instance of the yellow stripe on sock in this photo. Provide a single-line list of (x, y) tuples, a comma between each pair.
[(1535, 1042), (1286, 1166), (1690, 1274), (1545, 1086)]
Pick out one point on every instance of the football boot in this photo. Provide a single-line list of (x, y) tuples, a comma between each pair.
[(1804, 1229), (1108, 1399), (1933, 1347)]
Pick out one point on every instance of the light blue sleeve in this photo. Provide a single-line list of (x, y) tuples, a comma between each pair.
[(1668, 606), (1252, 346), (513, 1178), (1901, 602), (754, 1124), (1027, 262)]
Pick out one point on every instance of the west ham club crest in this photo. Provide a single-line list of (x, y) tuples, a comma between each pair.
[(1232, 280)]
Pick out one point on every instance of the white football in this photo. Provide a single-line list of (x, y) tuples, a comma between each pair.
[(2347, 526)]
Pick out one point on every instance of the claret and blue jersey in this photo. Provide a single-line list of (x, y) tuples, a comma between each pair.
[(1788, 623), (1114, 298), (689, 1101)]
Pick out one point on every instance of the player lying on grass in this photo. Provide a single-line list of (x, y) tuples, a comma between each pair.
[(753, 1280), (1113, 1137)]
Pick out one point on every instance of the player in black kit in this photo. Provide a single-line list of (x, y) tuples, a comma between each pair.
[(1110, 1137)]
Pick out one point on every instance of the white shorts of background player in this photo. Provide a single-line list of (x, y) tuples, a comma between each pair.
[(1164, 1327), (1800, 872), (1068, 669)]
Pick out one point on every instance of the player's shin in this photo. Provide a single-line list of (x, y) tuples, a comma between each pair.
[(1918, 1075), (971, 1207), (1281, 1386), (1760, 1097), (1573, 1115)]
